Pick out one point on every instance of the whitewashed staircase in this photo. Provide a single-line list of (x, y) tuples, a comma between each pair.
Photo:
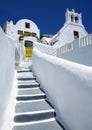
[(32, 110)]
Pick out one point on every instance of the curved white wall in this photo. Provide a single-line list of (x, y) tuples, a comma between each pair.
[(7, 67), (68, 87), (46, 49)]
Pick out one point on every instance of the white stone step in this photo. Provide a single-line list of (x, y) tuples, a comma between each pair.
[(31, 97), (30, 91), (32, 107), (27, 84), (33, 111), (50, 124)]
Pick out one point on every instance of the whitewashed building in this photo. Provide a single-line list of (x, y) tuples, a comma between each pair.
[(25, 32), (22, 26), (72, 29)]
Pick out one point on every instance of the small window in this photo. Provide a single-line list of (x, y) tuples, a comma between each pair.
[(76, 34), (20, 32), (27, 25), (76, 19), (71, 18)]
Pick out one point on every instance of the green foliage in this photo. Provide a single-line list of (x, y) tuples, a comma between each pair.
[(28, 34), (20, 32)]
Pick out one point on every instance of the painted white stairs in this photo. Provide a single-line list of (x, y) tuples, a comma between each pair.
[(33, 111)]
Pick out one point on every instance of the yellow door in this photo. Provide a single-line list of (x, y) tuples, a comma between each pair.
[(28, 52)]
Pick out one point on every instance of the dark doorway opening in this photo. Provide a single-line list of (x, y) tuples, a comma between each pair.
[(76, 34)]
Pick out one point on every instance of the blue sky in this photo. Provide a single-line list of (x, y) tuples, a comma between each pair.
[(49, 15)]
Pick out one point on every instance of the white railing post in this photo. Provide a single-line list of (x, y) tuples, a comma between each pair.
[(91, 38)]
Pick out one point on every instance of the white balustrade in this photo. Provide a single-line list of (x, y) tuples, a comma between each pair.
[(85, 41), (82, 42)]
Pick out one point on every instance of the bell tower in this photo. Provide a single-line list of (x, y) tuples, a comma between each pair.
[(72, 17)]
